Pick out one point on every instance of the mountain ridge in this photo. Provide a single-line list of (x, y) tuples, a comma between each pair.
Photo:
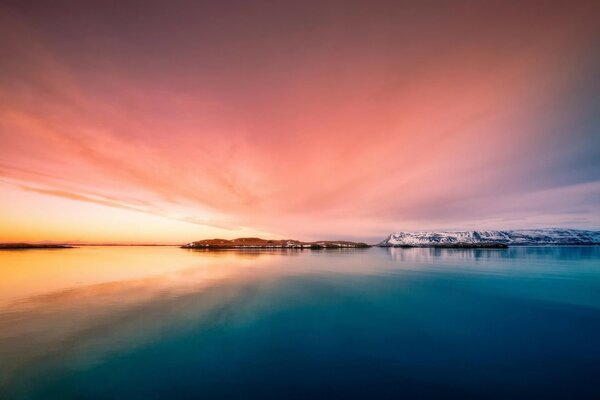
[(481, 238)]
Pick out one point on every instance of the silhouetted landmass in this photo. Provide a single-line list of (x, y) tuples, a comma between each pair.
[(27, 246), (258, 243)]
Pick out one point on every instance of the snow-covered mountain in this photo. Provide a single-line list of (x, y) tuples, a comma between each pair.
[(512, 237)]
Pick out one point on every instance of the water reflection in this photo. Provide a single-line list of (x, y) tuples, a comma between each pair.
[(84, 324), (33, 272), (365, 313), (62, 320), (427, 254), (434, 254)]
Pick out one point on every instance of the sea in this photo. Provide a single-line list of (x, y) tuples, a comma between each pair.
[(160, 322)]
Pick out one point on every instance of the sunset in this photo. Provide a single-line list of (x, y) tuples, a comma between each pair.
[(132, 121), (429, 143)]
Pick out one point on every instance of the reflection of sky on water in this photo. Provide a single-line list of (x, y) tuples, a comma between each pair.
[(136, 298), (537, 252)]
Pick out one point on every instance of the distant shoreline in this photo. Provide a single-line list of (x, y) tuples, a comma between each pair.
[(31, 246), (452, 246), (126, 245), (549, 237), (258, 243)]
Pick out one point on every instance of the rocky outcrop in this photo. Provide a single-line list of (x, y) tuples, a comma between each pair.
[(258, 243)]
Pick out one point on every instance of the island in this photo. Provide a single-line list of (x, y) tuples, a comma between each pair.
[(258, 243), (28, 246)]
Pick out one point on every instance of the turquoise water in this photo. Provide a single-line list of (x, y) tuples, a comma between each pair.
[(162, 322)]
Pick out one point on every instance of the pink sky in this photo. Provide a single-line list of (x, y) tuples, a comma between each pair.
[(176, 122)]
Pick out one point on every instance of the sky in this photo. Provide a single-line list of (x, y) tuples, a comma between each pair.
[(145, 121)]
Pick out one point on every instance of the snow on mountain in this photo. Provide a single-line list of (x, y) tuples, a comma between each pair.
[(509, 237)]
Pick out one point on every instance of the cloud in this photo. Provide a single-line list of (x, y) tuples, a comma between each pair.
[(115, 203), (365, 120)]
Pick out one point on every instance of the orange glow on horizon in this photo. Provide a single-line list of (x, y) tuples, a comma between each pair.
[(349, 122)]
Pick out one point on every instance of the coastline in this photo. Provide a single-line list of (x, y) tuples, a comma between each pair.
[(33, 246)]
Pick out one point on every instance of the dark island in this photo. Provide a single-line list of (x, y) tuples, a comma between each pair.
[(258, 243), (28, 246)]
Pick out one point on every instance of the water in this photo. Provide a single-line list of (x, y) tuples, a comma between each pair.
[(162, 322)]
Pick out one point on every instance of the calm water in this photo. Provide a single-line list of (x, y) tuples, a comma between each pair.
[(162, 322)]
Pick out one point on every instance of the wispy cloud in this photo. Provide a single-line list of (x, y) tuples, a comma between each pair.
[(360, 126)]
